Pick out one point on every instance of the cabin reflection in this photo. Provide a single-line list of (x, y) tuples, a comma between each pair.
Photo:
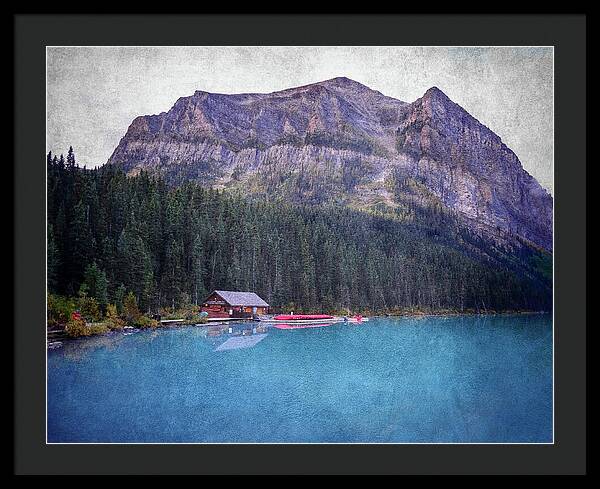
[(233, 329), (240, 342), (240, 335)]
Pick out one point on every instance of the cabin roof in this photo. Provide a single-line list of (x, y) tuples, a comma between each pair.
[(241, 298)]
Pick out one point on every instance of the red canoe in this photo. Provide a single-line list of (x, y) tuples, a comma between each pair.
[(292, 317), (301, 325)]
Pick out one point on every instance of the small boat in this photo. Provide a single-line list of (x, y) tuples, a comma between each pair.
[(302, 324), (317, 319), (356, 319), (301, 319)]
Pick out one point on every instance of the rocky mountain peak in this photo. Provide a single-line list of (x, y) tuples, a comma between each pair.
[(337, 82), (351, 137), (344, 82), (437, 103), (435, 92)]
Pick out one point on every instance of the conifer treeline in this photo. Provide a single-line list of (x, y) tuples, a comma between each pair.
[(171, 246)]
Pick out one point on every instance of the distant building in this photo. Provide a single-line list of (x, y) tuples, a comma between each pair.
[(226, 304)]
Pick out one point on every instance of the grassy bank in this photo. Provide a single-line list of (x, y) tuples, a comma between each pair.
[(84, 316)]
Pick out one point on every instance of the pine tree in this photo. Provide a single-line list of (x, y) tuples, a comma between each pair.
[(96, 284), (119, 297), (70, 158), (197, 271), (173, 272), (53, 261), (81, 243)]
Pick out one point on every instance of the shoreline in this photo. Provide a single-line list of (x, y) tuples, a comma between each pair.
[(464, 313), (59, 335)]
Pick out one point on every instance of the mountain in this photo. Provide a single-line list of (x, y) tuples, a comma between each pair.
[(340, 141)]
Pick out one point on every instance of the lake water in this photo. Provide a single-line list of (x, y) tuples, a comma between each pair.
[(436, 379)]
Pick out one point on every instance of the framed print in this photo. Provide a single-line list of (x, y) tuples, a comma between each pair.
[(329, 254)]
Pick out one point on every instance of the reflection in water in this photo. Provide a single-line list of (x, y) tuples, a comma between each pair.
[(215, 330), (238, 342), (241, 335), (77, 349), (233, 329)]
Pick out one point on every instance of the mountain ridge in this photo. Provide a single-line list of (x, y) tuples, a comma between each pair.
[(340, 140)]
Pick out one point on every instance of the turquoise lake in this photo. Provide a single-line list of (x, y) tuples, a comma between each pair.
[(389, 380)]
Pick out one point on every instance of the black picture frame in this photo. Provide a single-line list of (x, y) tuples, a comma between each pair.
[(567, 33)]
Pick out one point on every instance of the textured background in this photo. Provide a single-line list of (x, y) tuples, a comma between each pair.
[(93, 93)]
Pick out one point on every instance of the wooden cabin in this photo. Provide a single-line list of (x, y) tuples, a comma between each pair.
[(227, 304)]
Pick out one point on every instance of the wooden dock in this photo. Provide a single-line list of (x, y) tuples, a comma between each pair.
[(210, 320)]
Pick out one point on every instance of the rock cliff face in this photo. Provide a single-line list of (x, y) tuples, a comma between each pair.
[(339, 140)]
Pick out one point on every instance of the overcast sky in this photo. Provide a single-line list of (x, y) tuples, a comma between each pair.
[(93, 93)]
